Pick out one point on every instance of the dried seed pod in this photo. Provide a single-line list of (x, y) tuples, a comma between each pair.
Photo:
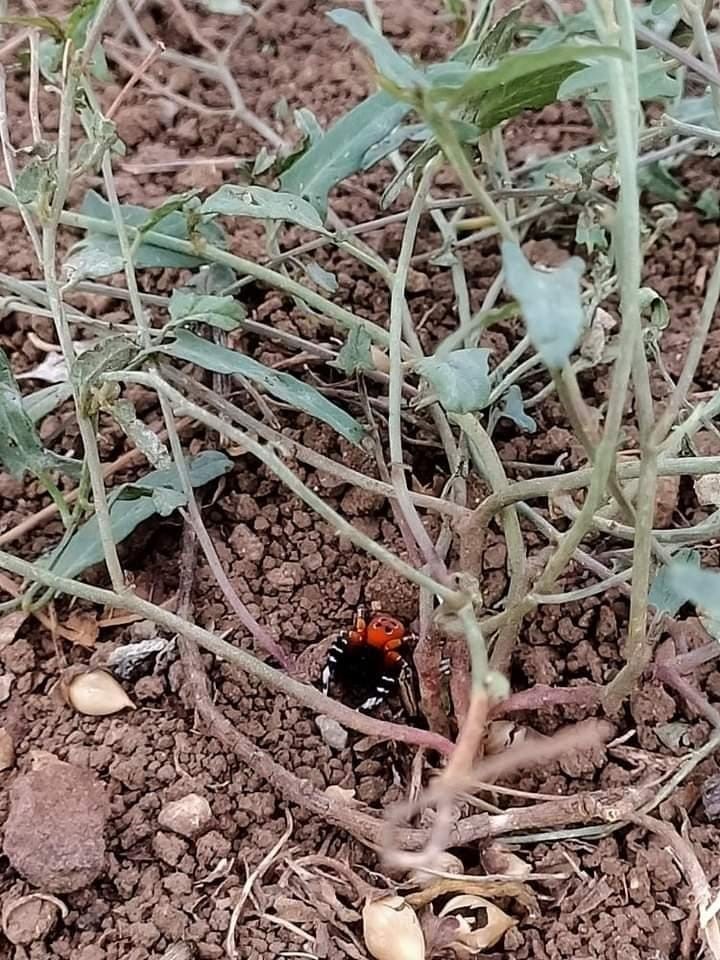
[(471, 937), (97, 694), (392, 930)]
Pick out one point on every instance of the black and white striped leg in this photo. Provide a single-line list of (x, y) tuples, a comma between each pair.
[(383, 688), (336, 651)]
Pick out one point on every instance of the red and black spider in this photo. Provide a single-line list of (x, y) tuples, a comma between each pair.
[(370, 656)]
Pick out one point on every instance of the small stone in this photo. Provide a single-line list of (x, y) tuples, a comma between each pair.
[(54, 833), (169, 848), (711, 797), (188, 816), (334, 735), (27, 919), (6, 682), (7, 750)]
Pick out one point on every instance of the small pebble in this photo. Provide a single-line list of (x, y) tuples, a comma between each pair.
[(334, 735), (188, 816)]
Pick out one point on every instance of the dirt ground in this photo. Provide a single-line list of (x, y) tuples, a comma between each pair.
[(621, 896)]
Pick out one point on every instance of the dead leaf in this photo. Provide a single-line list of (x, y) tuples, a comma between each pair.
[(593, 343), (83, 629), (479, 886), (480, 925)]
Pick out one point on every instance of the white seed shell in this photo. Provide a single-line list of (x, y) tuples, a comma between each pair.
[(97, 694), (392, 930)]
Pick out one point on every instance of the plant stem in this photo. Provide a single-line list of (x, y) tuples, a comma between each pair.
[(57, 305), (397, 307), (490, 466), (617, 27), (456, 156)]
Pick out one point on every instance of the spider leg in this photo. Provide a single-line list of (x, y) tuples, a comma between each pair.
[(335, 653)]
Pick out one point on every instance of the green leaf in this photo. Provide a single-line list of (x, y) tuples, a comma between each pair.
[(655, 83), (289, 389), (320, 276), (110, 354), (263, 204), (517, 74), (49, 57), (145, 439), (549, 302), (655, 178), (33, 180), (664, 594), (131, 505), (42, 402), (708, 203), (394, 140), (21, 448), (99, 254), (589, 232), (387, 60), (355, 353), (49, 24), (339, 153), (187, 307), (460, 379), (692, 584), (496, 42), (514, 409), (79, 19)]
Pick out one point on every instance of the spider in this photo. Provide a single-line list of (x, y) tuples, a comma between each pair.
[(369, 655)]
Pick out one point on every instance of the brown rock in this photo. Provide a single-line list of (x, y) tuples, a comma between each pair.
[(188, 816), (54, 834)]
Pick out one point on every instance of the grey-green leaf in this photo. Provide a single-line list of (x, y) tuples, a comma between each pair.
[(664, 593), (514, 409), (460, 379), (131, 505), (387, 60), (113, 353), (339, 153), (320, 276), (655, 83), (693, 584), (289, 389), (549, 301), (42, 402), (187, 307), (515, 74), (263, 204), (355, 353)]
